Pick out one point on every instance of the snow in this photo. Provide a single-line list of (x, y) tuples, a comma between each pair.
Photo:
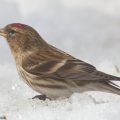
[(16, 102), (88, 30)]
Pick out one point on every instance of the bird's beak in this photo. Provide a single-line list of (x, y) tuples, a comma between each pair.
[(2, 32)]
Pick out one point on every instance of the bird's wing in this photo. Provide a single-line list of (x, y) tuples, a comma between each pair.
[(67, 69)]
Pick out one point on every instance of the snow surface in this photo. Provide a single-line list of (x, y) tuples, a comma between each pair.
[(87, 29), (16, 102)]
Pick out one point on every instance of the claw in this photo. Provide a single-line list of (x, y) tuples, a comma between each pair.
[(41, 97)]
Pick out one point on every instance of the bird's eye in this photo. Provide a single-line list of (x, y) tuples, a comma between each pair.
[(12, 32)]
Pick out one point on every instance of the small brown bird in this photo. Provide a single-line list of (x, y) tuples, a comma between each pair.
[(51, 71)]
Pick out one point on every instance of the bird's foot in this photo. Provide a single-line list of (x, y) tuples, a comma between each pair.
[(41, 97)]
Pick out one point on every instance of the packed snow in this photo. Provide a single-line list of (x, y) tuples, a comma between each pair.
[(89, 30)]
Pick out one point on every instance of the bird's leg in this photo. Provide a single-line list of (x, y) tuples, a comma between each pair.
[(41, 97)]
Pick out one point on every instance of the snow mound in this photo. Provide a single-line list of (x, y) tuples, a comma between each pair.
[(16, 102)]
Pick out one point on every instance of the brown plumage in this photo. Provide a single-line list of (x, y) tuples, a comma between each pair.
[(51, 71)]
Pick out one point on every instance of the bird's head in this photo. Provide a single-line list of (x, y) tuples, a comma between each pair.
[(21, 37), (13, 31)]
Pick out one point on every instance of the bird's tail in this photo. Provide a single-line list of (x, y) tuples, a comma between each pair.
[(103, 86), (111, 87)]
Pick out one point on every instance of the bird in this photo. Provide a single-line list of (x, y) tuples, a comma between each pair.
[(50, 71)]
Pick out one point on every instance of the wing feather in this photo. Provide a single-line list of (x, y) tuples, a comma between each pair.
[(67, 70)]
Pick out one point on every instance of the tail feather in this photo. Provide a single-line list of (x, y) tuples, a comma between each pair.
[(104, 86), (105, 76), (112, 88)]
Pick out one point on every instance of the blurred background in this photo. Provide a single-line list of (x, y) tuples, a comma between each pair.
[(87, 29)]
